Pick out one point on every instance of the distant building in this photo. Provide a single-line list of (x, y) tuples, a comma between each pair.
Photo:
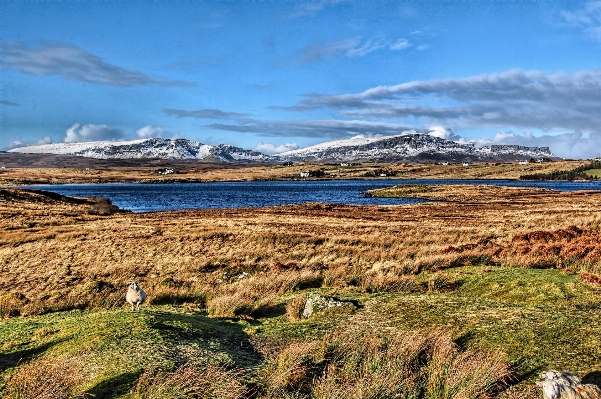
[(523, 162), (466, 164), (305, 174), (344, 164), (445, 163)]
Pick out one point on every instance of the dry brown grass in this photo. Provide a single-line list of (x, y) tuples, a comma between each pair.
[(55, 255), (408, 365), (46, 379), (190, 381), (295, 307), (190, 172)]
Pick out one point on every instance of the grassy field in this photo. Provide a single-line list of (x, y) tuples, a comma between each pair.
[(468, 296), (594, 172), (189, 172)]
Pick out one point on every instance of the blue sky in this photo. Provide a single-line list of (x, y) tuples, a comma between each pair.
[(275, 75)]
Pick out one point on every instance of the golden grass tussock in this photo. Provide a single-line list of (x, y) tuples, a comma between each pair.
[(46, 379), (56, 255), (255, 295), (190, 381), (295, 307), (408, 365)]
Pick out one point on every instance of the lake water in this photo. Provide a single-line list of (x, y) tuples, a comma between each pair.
[(139, 197)]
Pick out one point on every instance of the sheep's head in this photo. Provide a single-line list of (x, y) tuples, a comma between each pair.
[(134, 286), (551, 389)]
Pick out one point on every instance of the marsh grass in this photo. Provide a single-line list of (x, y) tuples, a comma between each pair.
[(190, 381), (47, 378), (255, 295), (399, 365)]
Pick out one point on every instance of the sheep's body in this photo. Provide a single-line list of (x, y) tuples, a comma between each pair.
[(135, 296), (566, 385)]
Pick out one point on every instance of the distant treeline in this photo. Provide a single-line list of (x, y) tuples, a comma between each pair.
[(574, 174)]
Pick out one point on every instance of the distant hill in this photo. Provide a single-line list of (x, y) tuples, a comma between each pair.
[(406, 147), (154, 148), (411, 147)]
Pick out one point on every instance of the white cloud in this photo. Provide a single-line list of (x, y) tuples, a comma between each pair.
[(19, 143), (353, 48), (566, 145), (311, 8), (422, 47), (328, 128), (44, 140), (362, 49), (91, 132), (442, 133), (506, 100), (400, 44), (272, 149), (586, 17), (149, 131)]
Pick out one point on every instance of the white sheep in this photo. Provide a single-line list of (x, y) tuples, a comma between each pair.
[(565, 385), (135, 295)]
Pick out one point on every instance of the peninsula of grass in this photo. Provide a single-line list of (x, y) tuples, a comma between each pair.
[(588, 171), (475, 292)]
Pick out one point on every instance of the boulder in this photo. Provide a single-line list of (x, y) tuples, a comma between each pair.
[(565, 385), (318, 303)]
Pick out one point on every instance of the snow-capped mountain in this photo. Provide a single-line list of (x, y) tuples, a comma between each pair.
[(148, 148), (406, 147), (411, 147)]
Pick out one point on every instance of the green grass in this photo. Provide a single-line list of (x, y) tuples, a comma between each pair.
[(593, 172), (119, 345), (540, 318)]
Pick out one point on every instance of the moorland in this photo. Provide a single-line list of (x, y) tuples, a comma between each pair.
[(20, 169), (470, 295)]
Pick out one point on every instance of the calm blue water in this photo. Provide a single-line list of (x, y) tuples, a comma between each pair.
[(160, 197)]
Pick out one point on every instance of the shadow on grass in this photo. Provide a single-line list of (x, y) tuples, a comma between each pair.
[(10, 360), (216, 335), (270, 311), (118, 385)]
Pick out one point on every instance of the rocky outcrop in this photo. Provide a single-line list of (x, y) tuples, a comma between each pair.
[(565, 385), (318, 303)]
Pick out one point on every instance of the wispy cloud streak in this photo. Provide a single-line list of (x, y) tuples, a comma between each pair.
[(73, 63), (9, 103), (514, 98)]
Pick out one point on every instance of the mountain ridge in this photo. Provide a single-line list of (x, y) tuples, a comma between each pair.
[(411, 147)]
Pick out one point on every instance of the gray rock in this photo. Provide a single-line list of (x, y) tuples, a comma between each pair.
[(318, 303), (565, 385)]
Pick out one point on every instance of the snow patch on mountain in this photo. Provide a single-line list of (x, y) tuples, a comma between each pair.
[(403, 147), (409, 146), (147, 148)]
